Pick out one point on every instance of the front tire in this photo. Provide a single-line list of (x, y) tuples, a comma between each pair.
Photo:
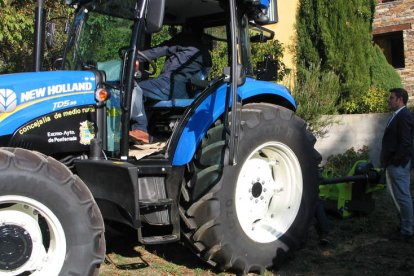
[(49, 221), (247, 217)]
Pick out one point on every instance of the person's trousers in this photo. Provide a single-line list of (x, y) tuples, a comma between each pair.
[(398, 183), (155, 89), (138, 115)]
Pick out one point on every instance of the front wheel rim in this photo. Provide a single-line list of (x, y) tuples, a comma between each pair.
[(32, 237), (268, 192)]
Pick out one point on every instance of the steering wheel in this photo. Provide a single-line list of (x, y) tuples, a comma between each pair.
[(152, 64)]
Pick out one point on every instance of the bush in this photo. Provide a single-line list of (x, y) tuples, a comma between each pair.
[(219, 56), (338, 34), (316, 94), (383, 75), (340, 164), (375, 101), (273, 48)]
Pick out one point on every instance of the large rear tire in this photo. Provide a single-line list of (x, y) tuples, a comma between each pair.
[(246, 217), (49, 221)]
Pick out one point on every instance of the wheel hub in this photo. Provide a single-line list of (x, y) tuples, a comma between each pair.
[(15, 247), (257, 189), (268, 192), (31, 238)]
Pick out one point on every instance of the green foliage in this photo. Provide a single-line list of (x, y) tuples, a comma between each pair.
[(383, 74), (16, 33), (340, 164), (109, 34), (383, 77), (274, 48), (316, 94), (337, 34), (15, 27), (374, 101), (219, 57)]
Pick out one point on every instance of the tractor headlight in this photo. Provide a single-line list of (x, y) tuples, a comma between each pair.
[(101, 95)]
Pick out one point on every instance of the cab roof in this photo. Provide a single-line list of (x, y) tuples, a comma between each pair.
[(176, 11)]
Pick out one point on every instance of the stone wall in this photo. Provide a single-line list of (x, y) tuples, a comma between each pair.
[(398, 15), (353, 131)]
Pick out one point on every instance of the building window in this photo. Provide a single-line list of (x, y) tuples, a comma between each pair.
[(272, 12), (392, 44)]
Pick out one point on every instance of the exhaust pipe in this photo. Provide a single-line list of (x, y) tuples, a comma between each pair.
[(39, 35)]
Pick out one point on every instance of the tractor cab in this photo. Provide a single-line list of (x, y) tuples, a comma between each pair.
[(107, 36)]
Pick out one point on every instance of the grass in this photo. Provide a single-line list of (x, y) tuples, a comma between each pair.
[(359, 247)]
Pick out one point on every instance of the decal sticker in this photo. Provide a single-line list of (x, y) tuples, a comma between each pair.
[(63, 131), (61, 104), (35, 124), (61, 136), (54, 90), (8, 100), (86, 132)]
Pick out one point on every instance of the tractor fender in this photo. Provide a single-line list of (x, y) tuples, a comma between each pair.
[(208, 108)]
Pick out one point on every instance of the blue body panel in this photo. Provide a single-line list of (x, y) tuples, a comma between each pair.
[(212, 108), (27, 96), (264, 4)]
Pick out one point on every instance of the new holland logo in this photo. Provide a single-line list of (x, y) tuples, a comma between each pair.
[(8, 100)]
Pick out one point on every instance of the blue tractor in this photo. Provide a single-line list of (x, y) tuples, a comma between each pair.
[(234, 172)]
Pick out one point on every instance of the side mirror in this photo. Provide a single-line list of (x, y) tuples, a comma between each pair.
[(155, 16), (260, 34), (267, 69), (50, 34)]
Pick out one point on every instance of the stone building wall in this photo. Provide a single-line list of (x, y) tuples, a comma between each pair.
[(398, 16)]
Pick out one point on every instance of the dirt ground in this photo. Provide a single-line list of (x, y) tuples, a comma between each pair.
[(359, 246)]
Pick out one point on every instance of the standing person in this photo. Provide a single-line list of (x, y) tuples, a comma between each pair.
[(186, 55), (396, 155), (322, 223)]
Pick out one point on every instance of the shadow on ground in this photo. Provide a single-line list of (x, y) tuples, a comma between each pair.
[(125, 253)]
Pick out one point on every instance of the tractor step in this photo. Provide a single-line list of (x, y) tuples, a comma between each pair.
[(148, 203), (160, 239)]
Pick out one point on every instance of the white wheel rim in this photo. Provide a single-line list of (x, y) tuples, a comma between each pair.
[(46, 257), (268, 192)]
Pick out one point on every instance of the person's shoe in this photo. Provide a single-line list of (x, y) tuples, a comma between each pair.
[(139, 136), (400, 237)]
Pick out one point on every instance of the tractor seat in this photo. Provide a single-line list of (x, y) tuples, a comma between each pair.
[(194, 86)]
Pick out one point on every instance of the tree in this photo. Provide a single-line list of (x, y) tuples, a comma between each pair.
[(338, 35), (17, 29)]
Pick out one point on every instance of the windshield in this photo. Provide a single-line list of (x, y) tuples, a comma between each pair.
[(96, 40)]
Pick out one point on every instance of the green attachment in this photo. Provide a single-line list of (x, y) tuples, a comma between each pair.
[(354, 196)]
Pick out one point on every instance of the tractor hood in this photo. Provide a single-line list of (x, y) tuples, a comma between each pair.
[(31, 97)]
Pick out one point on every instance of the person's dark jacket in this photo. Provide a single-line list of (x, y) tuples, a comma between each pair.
[(186, 55), (397, 142)]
